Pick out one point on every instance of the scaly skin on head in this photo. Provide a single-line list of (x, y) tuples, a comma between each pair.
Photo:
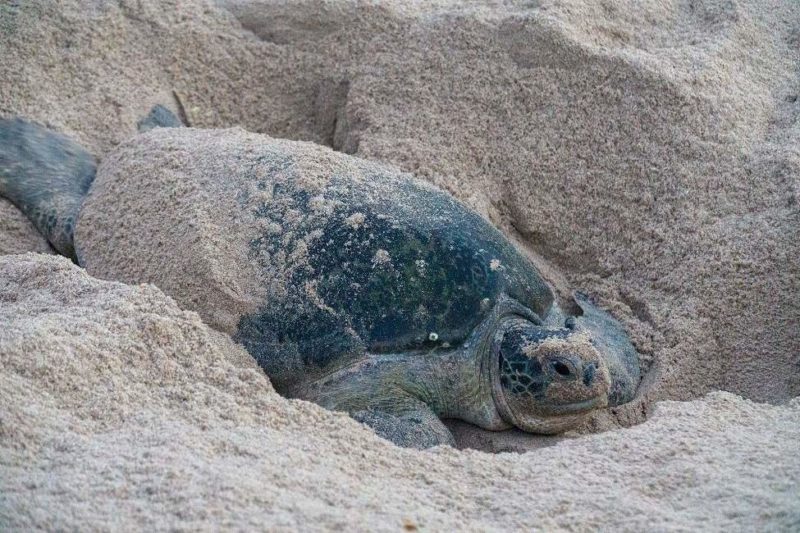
[(548, 379)]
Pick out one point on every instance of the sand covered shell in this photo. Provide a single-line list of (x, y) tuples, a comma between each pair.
[(308, 256)]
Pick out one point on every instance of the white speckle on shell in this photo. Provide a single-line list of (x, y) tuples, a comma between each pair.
[(495, 264), (433, 336), (321, 205), (355, 220), (381, 257)]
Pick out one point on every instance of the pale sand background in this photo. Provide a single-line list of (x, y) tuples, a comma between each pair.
[(645, 152)]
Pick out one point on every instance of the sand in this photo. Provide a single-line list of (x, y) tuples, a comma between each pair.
[(643, 152), (17, 233), (122, 411)]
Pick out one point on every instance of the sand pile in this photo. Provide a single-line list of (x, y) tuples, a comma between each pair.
[(122, 411), (17, 234), (644, 152)]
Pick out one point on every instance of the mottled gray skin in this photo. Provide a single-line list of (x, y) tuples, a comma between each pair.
[(415, 310), (47, 176)]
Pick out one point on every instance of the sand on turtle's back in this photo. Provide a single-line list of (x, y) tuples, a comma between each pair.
[(303, 254)]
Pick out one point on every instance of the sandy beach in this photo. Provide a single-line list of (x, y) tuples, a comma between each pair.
[(643, 152)]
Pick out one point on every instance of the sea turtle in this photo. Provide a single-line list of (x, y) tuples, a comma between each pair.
[(379, 294)]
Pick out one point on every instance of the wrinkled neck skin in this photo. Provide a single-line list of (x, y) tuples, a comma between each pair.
[(454, 383)]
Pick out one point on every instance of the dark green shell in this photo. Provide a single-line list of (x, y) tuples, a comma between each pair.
[(417, 271)]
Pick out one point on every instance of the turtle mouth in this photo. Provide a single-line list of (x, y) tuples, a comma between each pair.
[(550, 419), (547, 417), (574, 408)]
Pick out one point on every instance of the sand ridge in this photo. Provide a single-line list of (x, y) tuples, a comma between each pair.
[(17, 233)]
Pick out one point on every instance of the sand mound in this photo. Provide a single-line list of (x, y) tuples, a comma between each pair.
[(17, 234), (122, 411)]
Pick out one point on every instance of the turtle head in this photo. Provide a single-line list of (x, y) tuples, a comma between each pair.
[(546, 380)]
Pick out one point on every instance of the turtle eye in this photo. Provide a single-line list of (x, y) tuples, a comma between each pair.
[(564, 367), (569, 323), (561, 368)]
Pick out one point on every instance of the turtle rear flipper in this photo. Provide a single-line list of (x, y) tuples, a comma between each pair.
[(47, 176)]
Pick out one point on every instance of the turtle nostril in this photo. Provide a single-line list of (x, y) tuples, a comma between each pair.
[(588, 374), (561, 368)]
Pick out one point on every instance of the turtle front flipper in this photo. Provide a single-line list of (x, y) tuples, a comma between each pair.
[(46, 175), (413, 427)]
